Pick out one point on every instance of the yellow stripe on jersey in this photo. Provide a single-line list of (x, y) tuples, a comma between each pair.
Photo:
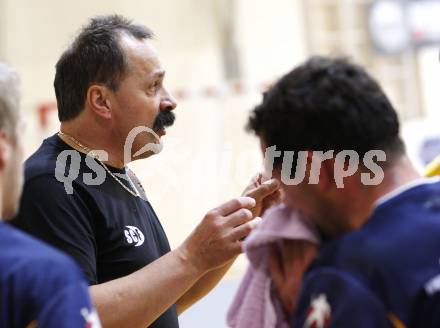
[(433, 168), (395, 321), (33, 324)]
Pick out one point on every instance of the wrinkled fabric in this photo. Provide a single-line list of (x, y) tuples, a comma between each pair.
[(255, 303)]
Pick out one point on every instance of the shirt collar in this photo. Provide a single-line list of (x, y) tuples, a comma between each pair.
[(410, 185)]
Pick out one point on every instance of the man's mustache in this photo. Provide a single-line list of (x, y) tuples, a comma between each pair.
[(164, 119)]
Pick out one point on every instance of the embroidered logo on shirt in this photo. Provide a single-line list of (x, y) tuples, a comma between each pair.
[(91, 318), (318, 313), (134, 235)]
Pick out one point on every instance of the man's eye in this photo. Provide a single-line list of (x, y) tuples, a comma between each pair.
[(154, 87)]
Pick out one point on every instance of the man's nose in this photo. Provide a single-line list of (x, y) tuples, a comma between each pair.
[(168, 102)]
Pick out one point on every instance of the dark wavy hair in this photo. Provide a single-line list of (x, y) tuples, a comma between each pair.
[(95, 56), (327, 104)]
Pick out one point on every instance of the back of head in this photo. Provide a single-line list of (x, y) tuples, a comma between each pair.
[(11, 154), (95, 56), (327, 104), (9, 100)]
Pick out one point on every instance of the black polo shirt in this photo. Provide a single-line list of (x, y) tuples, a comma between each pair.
[(76, 206)]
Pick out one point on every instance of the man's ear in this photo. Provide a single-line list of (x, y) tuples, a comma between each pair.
[(320, 169), (99, 101), (326, 176)]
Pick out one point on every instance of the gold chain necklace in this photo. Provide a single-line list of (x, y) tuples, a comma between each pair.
[(90, 153)]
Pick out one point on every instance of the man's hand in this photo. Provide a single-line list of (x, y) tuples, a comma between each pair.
[(265, 192), (287, 265), (181, 276), (217, 239)]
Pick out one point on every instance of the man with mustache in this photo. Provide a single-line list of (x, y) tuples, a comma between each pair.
[(109, 83)]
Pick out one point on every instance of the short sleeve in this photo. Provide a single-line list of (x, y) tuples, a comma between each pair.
[(63, 220), (70, 308), (65, 301), (330, 298)]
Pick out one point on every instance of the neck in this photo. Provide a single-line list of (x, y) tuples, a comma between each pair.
[(400, 174), (92, 138)]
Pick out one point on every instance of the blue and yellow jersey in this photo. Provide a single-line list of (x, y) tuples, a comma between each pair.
[(387, 274)]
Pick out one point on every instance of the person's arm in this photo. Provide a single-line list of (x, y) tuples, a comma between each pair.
[(265, 193), (140, 298), (202, 287), (137, 299)]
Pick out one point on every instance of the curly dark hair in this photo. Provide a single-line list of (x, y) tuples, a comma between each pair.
[(327, 104), (95, 56)]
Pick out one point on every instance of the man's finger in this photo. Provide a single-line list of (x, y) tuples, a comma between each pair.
[(242, 231), (239, 217), (265, 189), (235, 204)]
